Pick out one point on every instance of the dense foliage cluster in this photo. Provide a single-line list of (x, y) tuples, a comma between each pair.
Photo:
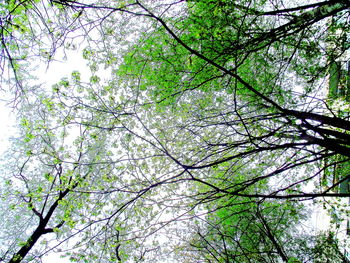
[(190, 131)]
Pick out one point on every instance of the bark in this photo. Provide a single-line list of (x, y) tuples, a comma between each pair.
[(272, 238), (38, 232)]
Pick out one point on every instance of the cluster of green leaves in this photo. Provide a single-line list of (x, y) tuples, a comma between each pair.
[(221, 32), (242, 229), (327, 249), (187, 123)]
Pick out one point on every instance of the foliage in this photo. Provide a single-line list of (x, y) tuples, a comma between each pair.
[(191, 140), (327, 249)]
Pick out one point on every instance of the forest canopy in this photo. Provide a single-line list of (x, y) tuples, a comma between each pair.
[(202, 131)]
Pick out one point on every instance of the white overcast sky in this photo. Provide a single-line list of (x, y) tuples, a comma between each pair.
[(47, 76), (53, 74)]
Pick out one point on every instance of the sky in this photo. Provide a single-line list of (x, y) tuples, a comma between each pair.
[(6, 122), (48, 76), (53, 74)]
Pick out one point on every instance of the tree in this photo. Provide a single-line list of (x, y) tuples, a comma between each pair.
[(217, 65), (66, 183), (180, 113), (240, 229)]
